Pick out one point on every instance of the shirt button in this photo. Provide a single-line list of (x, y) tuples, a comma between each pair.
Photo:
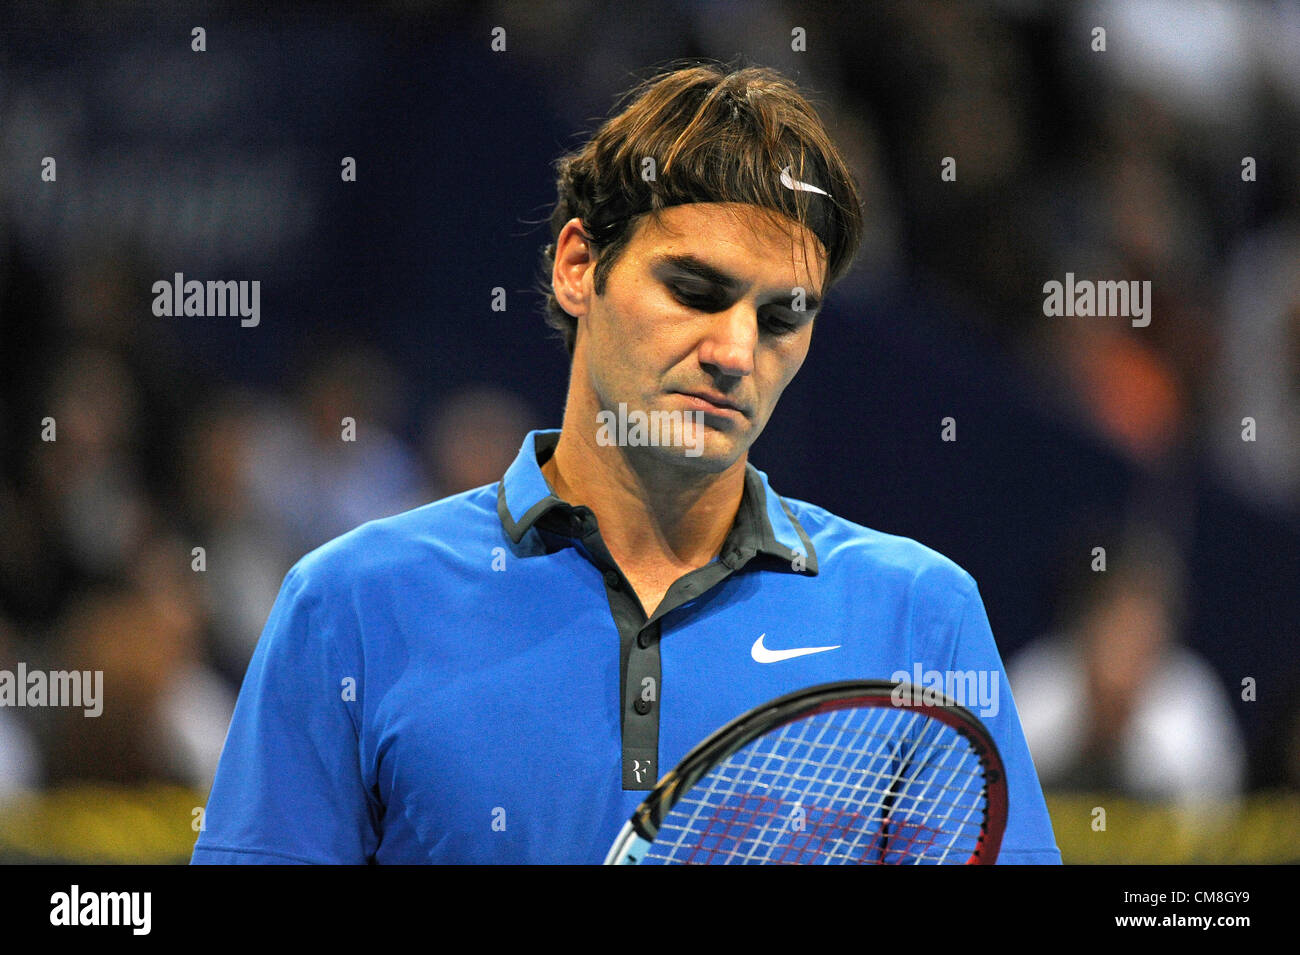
[(611, 580), (643, 640), (641, 706)]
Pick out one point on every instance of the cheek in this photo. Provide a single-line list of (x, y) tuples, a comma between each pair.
[(650, 331), (789, 359), (801, 352), (779, 369), (628, 316)]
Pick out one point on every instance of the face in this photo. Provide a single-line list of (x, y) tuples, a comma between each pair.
[(702, 316)]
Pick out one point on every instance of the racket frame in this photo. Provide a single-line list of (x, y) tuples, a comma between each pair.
[(639, 833)]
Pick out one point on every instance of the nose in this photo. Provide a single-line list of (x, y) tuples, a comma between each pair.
[(728, 346)]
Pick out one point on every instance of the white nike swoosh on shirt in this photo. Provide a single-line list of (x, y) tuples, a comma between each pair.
[(762, 654), (792, 183)]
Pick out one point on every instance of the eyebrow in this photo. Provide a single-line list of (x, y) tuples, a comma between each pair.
[(693, 265)]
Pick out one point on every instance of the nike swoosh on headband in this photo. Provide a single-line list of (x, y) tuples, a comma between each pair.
[(794, 184)]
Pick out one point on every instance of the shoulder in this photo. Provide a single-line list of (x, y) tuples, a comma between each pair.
[(399, 568), (397, 547), (846, 548)]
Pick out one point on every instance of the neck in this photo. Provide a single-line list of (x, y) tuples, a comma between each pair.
[(652, 513)]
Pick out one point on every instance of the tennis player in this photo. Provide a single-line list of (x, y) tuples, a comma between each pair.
[(500, 676)]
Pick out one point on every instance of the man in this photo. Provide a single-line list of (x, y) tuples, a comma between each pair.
[(500, 676)]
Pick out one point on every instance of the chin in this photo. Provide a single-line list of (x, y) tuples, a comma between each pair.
[(711, 453)]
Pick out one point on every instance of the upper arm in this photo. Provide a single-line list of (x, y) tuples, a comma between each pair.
[(1028, 836), (289, 786)]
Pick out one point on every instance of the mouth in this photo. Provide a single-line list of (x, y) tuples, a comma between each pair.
[(713, 404)]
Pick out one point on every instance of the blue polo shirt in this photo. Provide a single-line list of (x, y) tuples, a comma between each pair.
[(474, 681)]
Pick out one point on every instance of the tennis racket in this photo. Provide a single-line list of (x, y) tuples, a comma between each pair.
[(837, 774)]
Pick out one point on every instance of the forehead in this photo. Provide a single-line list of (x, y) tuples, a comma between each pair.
[(751, 244)]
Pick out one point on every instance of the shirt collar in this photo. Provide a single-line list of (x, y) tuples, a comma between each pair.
[(764, 524)]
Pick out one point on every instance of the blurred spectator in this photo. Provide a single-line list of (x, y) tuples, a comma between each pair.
[(20, 762), (472, 436), (330, 461), (89, 475), (1260, 373), (245, 555), (1115, 703), (164, 713)]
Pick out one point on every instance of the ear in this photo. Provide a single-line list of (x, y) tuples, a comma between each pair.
[(573, 260)]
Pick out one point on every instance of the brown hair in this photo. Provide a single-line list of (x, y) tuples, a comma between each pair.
[(715, 134)]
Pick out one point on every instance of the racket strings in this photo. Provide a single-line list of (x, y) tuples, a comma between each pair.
[(846, 786)]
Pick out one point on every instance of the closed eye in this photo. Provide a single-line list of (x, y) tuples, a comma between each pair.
[(770, 321), (776, 326), (691, 298)]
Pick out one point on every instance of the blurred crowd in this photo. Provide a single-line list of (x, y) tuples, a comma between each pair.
[(149, 537), (150, 517)]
